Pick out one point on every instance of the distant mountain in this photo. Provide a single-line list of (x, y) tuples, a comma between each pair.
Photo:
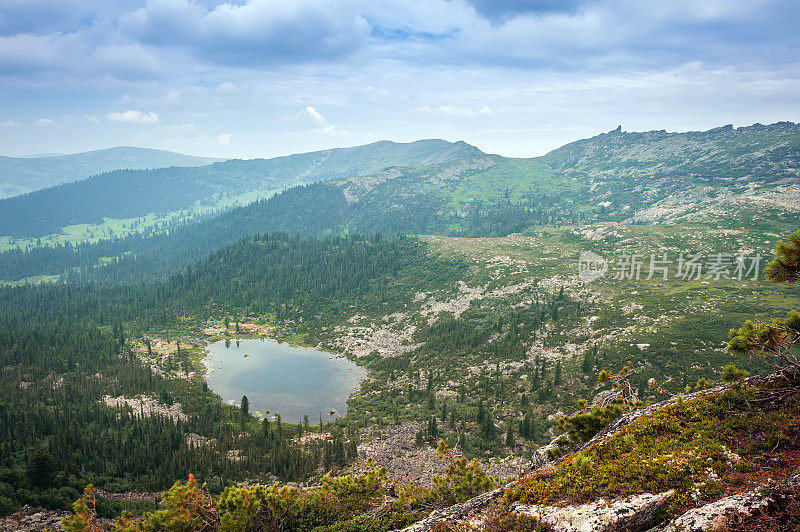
[(762, 153), (726, 177), (133, 193), (19, 175)]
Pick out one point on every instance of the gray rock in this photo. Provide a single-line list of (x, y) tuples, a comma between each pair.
[(716, 513), (457, 512), (30, 519), (636, 512)]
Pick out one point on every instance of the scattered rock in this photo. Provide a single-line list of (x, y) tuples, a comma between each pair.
[(30, 519), (147, 406), (598, 232), (397, 451)]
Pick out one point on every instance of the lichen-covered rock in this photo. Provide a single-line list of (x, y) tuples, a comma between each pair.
[(636, 512), (31, 520), (717, 513), (457, 512), (540, 457)]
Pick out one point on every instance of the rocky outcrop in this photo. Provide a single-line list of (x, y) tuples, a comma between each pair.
[(714, 514), (457, 512), (30, 520), (636, 512), (626, 419), (717, 513)]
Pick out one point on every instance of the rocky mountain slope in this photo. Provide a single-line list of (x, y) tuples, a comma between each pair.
[(724, 459)]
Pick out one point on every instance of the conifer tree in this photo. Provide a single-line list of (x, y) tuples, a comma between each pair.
[(775, 341), (785, 267), (245, 407)]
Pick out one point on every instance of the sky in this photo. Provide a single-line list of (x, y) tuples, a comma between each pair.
[(261, 78)]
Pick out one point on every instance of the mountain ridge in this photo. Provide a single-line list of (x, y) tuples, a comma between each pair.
[(20, 175), (133, 193), (490, 195)]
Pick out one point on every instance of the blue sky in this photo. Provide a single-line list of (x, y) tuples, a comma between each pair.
[(270, 77)]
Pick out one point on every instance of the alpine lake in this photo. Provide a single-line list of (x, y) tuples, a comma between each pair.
[(279, 378)]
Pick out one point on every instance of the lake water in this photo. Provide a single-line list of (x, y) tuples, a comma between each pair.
[(281, 378)]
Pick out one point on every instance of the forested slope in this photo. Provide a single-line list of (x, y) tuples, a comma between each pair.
[(65, 347), (734, 174), (132, 193), (20, 175)]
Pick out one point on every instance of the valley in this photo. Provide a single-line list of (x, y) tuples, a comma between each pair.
[(452, 289)]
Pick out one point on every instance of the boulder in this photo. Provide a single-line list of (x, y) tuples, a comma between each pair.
[(457, 512), (636, 512), (29, 519), (716, 514)]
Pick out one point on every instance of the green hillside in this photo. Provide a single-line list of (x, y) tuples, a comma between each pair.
[(635, 178), (20, 175), (132, 194)]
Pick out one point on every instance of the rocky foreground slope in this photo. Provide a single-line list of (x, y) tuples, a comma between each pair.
[(726, 458)]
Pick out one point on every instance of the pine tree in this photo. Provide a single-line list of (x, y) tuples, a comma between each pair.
[(245, 407), (589, 358), (785, 267), (42, 468), (510, 435), (433, 429)]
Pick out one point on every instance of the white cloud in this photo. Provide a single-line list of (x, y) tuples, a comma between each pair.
[(44, 122), (250, 32), (91, 118), (8, 124), (134, 117), (312, 117), (315, 122), (224, 139)]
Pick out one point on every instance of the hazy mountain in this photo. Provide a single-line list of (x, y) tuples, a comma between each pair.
[(19, 175), (132, 193)]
